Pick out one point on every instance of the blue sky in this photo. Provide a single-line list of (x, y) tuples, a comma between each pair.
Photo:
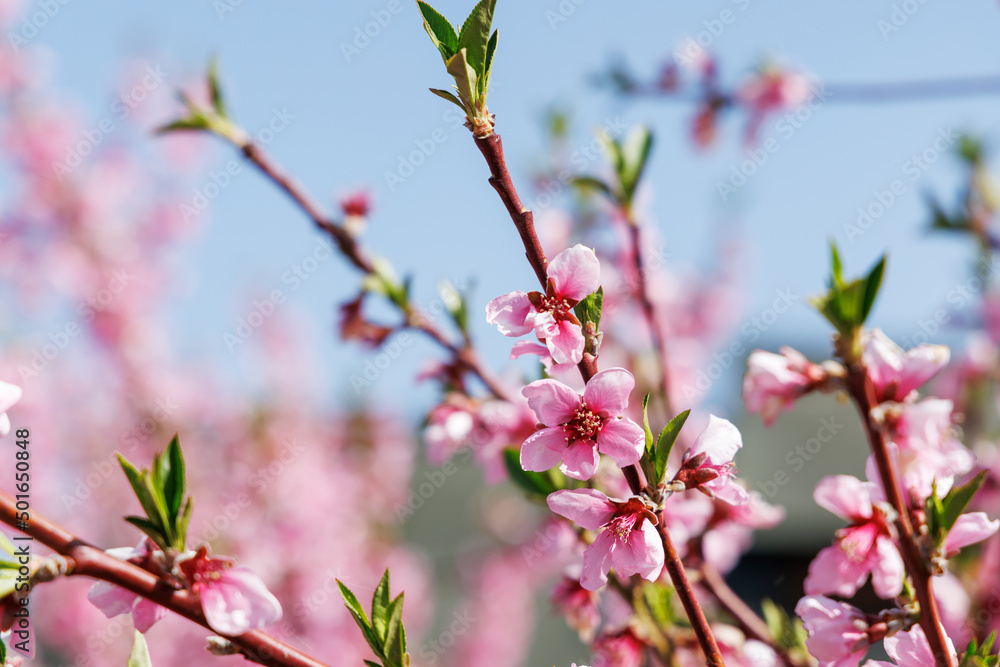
[(355, 112)]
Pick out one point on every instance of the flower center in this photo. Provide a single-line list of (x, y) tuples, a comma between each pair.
[(622, 525), (552, 304), (584, 425)]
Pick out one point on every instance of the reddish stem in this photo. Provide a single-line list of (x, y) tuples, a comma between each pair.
[(492, 149), (348, 245), (675, 568), (863, 393), (89, 561), (655, 330)]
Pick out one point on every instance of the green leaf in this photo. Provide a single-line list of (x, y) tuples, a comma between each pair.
[(3, 653), (665, 443), (588, 182), (534, 483), (213, 87), (837, 279), (394, 647), (140, 485), (475, 34), (648, 460), (589, 310), (139, 657), (450, 97), (484, 80), (149, 528), (192, 124), (441, 32), (659, 601), (380, 607), (372, 664), (173, 486), (358, 613), (634, 156), (465, 78), (180, 538), (872, 284), (956, 501)]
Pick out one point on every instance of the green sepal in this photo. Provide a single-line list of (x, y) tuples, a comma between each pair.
[(980, 655), (139, 657), (534, 483), (589, 310), (665, 442), (475, 34), (441, 32)]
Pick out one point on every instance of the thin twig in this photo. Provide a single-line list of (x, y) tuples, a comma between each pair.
[(89, 561)]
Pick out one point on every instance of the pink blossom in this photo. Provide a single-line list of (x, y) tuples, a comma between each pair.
[(112, 600), (9, 395), (968, 529), (774, 382), (771, 90), (234, 599), (732, 530), (629, 541), (708, 466), (623, 649), (566, 372), (910, 649), (578, 605), (897, 373), (838, 632), (572, 275), (927, 444), (864, 547), (577, 427)]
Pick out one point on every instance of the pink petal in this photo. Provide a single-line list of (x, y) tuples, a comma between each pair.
[(509, 313), (587, 508), (145, 614), (580, 460), (720, 441), (575, 273), (641, 553), (523, 347), (922, 363), (911, 648), (887, 569), (238, 602), (969, 529), (722, 546), (623, 440), (597, 562), (9, 395), (543, 450), (608, 391), (833, 572), (847, 497), (566, 344), (111, 599), (728, 491), (552, 402)]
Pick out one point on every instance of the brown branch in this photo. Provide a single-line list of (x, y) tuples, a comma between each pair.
[(89, 561), (349, 247), (863, 393), (675, 568)]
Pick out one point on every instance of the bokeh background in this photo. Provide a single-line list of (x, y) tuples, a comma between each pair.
[(356, 106)]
